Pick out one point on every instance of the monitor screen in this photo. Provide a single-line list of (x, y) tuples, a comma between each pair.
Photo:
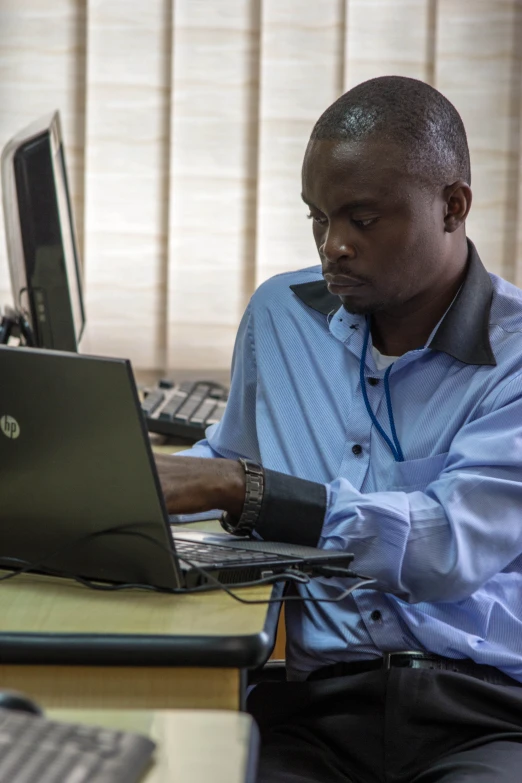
[(41, 239)]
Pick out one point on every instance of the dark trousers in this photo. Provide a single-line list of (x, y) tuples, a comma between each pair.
[(397, 726)]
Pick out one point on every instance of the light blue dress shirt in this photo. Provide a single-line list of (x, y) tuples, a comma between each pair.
[(442, 531)]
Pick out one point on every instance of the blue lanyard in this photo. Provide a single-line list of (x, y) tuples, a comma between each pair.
[(395, 446)]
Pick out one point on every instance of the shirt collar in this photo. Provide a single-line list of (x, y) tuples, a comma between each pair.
[(463, 332)]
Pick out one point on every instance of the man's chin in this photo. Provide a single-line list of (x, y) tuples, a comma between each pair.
[(360, 308)]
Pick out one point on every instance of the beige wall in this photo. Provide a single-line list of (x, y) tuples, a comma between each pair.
[(185, 122)]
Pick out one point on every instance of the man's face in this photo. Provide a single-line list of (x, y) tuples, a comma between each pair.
[(380, 233)]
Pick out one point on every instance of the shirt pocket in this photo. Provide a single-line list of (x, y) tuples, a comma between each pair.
[(416, 474)]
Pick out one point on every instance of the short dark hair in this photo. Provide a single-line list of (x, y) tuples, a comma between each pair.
[(406, 112)]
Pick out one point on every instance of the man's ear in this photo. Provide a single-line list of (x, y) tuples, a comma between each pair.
[(457, 199)]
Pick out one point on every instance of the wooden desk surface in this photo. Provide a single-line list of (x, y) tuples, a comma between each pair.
[(196, 746), (50, 620), (72, 647)]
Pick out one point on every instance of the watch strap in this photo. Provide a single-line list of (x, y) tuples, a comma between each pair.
[(255, 485)]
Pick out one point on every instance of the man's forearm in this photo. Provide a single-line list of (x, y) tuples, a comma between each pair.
[(192, 484)]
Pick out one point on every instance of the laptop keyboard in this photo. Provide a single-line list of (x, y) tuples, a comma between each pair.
[(184, 410), (34, 749), (216, 555)]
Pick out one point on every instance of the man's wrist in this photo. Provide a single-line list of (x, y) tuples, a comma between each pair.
[(232, 489)]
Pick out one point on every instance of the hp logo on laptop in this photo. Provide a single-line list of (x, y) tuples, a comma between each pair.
[(9, 427)]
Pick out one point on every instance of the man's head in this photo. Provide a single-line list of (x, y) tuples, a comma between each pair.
[(386, 176)]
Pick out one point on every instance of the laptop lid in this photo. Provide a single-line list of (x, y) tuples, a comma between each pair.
[(70, 474)]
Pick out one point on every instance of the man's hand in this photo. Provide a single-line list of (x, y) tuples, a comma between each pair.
[(191, 484)]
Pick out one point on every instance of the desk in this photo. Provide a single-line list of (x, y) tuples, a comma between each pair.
[(195, 746), (71, 647)]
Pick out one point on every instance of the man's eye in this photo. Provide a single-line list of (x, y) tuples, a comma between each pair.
[(321, 221), (365, 223)]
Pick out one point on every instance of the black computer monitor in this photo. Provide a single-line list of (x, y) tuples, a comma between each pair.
[(41, 238)]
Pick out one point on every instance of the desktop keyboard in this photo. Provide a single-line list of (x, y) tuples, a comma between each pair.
[(184, 410), (34, 749)]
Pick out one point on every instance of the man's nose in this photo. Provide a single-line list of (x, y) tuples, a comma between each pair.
[(336, 245)]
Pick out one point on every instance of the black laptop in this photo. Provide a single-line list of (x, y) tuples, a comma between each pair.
[(79, 492)]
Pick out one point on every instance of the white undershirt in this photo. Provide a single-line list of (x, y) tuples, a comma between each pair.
[(381, 360)]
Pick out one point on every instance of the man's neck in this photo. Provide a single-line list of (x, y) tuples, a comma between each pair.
[(396, 333)]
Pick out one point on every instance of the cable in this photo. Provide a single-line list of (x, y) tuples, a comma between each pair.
[(295, 576), (272, 579), (284, 599)]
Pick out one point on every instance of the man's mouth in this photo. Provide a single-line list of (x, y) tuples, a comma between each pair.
[(339, 284)]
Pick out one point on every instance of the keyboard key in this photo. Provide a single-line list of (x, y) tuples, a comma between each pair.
[(202, 387), (69, 767), (203, 412), (217, 413), (175, 402), (152, 401), (30, 768), (191, 404), (218, 393)]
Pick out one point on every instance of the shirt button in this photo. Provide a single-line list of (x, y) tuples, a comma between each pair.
[(376, 615), (373, 381), (356, 449)]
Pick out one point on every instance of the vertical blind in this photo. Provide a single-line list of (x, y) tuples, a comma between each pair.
[(185, 124)]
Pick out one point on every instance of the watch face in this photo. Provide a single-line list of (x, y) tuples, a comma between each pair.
[(228, 522), (236, 527)]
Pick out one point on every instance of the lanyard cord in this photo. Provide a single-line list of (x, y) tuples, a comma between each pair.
[(395, 446)]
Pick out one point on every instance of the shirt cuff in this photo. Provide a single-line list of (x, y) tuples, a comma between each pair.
[(292, 509)]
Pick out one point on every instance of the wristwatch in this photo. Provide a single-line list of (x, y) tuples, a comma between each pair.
[(255, 484)]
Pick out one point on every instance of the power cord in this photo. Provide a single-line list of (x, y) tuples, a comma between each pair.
[(284, 576)]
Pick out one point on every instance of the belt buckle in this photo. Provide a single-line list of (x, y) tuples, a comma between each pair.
[(388, 657)]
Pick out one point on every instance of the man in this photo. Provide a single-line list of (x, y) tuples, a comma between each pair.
[(382, 394)]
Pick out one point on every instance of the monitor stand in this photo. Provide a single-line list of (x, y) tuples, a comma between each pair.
[(15, 324)]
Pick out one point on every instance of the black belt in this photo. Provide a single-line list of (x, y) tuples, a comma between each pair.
[(416, 660)]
